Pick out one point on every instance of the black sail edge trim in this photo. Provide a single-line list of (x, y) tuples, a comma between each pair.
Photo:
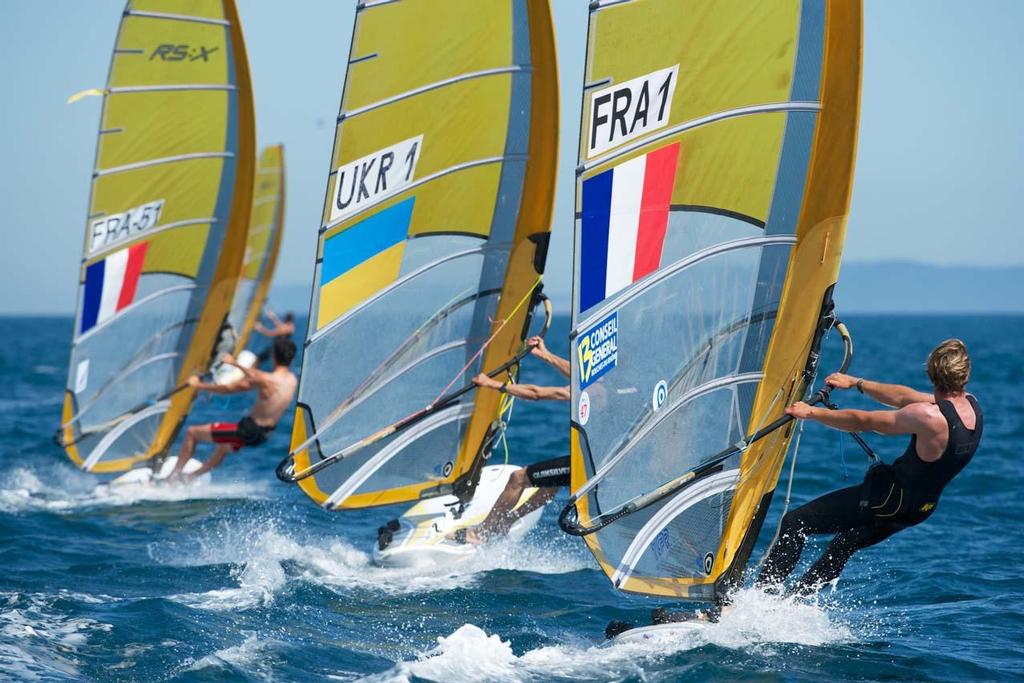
[(717, 211)]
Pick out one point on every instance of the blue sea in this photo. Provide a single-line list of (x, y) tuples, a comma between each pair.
[(245, 579)]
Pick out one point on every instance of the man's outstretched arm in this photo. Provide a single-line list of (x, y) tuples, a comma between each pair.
[(541, 351), (530, 392), (895, 395), (238, 387), (911, 419)]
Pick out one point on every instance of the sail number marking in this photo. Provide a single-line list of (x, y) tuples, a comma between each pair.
[(625, 111), (118, 227), (369, 179)]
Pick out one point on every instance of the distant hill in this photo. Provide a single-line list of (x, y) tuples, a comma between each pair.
[(865, 287)]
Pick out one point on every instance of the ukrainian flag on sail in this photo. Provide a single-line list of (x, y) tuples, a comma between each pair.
[(362, 260)]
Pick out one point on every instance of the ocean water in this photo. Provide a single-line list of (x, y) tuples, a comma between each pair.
[(245, 579)]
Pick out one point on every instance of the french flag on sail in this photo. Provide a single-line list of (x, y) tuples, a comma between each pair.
[(625, 215), (110, 284)]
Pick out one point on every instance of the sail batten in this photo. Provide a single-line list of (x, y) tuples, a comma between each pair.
[(438, 202), (708, 235)]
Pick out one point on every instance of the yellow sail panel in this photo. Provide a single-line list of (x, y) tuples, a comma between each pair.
[(167, 221), (715, 169), (435, 225), (262, 245)]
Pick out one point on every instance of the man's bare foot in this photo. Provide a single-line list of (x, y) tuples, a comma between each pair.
[(471, 535)]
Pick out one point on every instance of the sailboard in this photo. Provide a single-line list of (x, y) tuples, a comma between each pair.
[(165, 235), (715, 170), (434, 236)]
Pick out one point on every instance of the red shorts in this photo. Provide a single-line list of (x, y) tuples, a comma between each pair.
[(245, 432)]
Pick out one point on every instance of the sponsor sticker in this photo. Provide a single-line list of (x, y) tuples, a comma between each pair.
[(583, 410), (598, 350), (119, 227), (625, 111), (709, 563), (82, 376), (659, 394), (369, 179)]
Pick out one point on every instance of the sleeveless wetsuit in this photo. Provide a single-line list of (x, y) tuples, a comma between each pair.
[(891, 498)]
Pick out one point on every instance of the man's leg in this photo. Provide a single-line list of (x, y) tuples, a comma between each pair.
[(830, 565), (501, 517), (213, 462), (829, 514), (193, 435)]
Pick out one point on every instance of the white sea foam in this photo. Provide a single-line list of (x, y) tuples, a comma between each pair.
[(248, 657), (755, 621), (39, 642), (260, 553), (61, 488)]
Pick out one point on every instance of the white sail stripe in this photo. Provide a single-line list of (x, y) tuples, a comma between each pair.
[(402, 280), (483, 73), (422, 181), (642, 285), (177, 17), (113, 282), (369, 4), (623, 224), (685, 499), (162, 160), (696, 123), (147, 234), (108, 440), (665, 412), (359, 477), (124, 311), (120, 90)]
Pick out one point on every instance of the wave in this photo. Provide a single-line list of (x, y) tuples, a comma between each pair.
[(755, 620), (62, 489), (265, 560), (39, 642)]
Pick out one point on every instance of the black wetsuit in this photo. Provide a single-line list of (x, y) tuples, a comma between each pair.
[(891, 498)]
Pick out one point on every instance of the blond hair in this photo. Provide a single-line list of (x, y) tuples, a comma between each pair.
[(949, 366)]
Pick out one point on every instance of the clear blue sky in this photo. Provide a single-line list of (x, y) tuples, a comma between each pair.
[(939, 170)]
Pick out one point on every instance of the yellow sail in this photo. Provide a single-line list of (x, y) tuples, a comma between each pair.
[(168, 217), (716, 159), (262, 245), (434, 235)]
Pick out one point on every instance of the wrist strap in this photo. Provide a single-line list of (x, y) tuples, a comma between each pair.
[(503, 388), (860, 385)]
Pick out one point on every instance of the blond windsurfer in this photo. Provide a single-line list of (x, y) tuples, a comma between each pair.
[(275, 390), (548, 475), (944, 428)]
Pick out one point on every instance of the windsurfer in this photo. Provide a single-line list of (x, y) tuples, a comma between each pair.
[(945, 430), (548, 475), (275, 392), (280, 329)]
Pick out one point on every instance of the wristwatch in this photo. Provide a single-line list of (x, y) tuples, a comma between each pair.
[(503, 388), (860, 385)]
